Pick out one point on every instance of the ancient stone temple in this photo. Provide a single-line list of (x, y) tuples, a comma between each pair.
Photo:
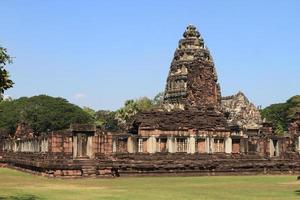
[(190, 119), (192, 80), (195, 132)]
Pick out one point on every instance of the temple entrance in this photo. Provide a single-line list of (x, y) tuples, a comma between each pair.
[(81, 145), (253, 146), (236, 143)]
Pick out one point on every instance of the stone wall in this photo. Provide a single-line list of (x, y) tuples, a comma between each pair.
[(202, 164), (58, 165), (154, 152)]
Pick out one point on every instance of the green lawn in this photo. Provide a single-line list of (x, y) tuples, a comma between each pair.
[(17, 185)]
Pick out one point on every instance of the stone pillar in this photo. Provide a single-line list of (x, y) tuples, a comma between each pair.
[(242, 145), (151, 144), (131, 145), (170, 144), (258, 146), (154, 141), (44, 145), (175, 145), (114, 145), (191, 145), (29, 146), (298, 144), (207, 145), (277, 149), (89, 147), (140, 145), (74, 146), (158, 145), (228, 145), (211, 145), (33, 147), (188, 148), (271, 148), (15, 146)]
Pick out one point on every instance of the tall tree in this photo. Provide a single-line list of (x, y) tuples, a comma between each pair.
[(5, 82), (280, 114), (132, 107), (42, 113), (103, 119)]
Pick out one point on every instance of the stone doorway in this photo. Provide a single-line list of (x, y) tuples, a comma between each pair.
[(81, 145), (236, 143)]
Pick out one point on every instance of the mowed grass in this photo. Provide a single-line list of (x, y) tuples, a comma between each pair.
[(17, 185)]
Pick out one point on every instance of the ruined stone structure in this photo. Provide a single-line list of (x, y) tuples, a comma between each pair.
[(195, 132), (241, 112)]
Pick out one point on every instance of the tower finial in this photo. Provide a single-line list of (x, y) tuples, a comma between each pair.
[(191, 32)]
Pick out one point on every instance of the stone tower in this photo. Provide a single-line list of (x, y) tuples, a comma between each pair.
[(192, 99), (192, 81)]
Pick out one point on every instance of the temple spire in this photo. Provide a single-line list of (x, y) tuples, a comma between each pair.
[(192, 66)]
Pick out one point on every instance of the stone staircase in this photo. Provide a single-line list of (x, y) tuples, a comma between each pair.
[(89, 171), (89, 167)]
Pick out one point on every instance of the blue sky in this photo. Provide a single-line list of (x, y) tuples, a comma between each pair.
[(100, 53)]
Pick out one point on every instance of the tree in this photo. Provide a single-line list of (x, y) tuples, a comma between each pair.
[(131, 108), (280, 114), (159, 98), (5, 82), (103, 119), (279, 130), (107, 120), (42, 113)]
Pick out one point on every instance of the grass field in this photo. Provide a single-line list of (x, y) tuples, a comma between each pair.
[(15, 185)]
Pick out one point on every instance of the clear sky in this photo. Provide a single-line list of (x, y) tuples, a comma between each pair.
[(100, 53)]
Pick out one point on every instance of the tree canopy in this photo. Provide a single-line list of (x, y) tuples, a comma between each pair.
[(281, 114), (5, 82), (42, 113), (103, 119), (132, 107)]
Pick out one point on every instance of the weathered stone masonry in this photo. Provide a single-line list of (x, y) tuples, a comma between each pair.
[(151, 152)]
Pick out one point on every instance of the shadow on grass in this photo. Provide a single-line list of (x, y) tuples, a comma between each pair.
[(23, 197), (297, 192)]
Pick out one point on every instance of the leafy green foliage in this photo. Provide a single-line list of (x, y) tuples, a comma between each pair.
[(132, 107), (114, 121), (5, 82), (103, 119), (293, 106), (280, 114), (279, 129), (107, 120), (159, 98), (42, 113)]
